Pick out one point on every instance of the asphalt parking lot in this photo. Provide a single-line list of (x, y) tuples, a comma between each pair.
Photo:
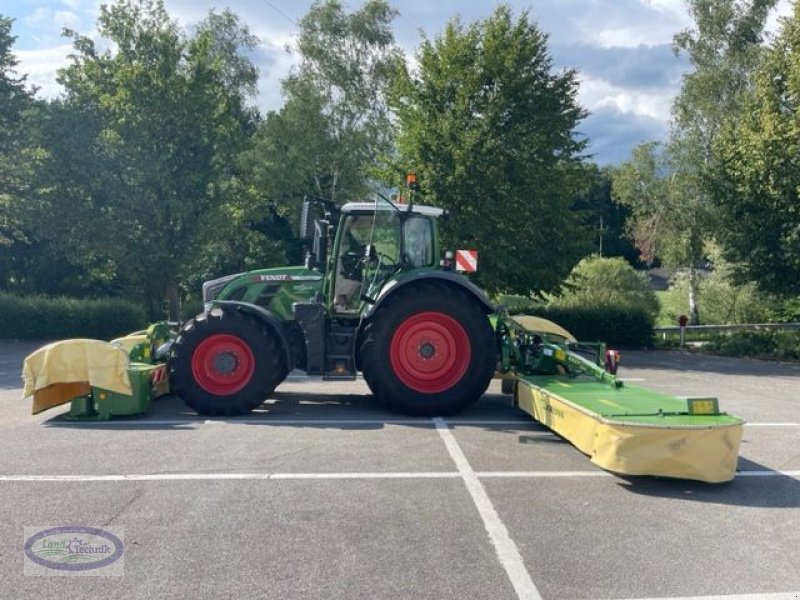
[(323, 494)]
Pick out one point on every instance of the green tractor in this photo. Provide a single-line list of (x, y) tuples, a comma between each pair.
[(381, 303), (425, 338)]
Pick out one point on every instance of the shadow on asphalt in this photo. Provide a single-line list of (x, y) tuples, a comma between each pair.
[(782, 492), (303, 410), (685, 361)]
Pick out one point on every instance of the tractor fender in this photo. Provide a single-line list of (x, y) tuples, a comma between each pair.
[(267, 318), (445, 276)]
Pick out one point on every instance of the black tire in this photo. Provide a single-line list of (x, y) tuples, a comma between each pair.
[(507, 385), (225, 363), (429, 350)]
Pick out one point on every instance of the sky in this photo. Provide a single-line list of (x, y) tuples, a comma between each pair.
[(620, 48)]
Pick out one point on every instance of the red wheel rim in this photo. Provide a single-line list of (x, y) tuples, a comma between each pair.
[(430, 352), (223, 364)]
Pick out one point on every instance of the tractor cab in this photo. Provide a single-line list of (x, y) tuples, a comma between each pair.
[(374, 242)]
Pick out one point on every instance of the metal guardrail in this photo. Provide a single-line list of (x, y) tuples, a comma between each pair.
[(664, 331)]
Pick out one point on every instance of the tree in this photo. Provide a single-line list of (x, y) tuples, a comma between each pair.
[(668, 220), (675, 217), (334, 126), (598, 281), (16, 156), (163, 117), (758, 175), (605, 217), (491, 131), (724, 48)]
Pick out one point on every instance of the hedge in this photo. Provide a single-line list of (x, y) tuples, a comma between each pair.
[(780, 345), (44, 318), (621, 327)]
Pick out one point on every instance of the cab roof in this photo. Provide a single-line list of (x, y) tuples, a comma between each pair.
[(417, 209)]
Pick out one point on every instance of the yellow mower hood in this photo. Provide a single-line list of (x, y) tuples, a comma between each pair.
[(54, 372), (537, 324)]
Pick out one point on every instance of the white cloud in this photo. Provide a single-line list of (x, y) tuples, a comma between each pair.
[(782, 10), (47, 18), (667, 6), (274, 64), (598, 94), (41, 67)]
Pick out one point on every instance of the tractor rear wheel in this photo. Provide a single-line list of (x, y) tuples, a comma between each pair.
[(225, 363), (429, 350)]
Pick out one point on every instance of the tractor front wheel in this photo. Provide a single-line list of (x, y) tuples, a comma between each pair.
[(429, 350), (225, 363)]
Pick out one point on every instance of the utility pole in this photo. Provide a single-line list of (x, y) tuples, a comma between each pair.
[(601, 229)]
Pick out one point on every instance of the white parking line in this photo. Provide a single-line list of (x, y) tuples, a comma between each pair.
[(231, 476), (506, 549), (768, 473), (409, 475)]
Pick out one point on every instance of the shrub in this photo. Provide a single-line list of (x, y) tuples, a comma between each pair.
[(43, 318), (517, 304), (786, 310), (618, 326), (781, 345), (719, 302), (597, 282)]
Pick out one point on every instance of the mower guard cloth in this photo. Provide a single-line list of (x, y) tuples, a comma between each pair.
[(537, 324), (128, 342), (52, 372), (703, 448)]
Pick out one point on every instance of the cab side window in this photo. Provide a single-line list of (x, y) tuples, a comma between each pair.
[(418, 241)]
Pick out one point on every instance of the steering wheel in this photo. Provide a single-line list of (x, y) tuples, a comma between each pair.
[(353, 266)]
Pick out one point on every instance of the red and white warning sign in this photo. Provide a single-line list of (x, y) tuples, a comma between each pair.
[(467, 260), (159, 375)]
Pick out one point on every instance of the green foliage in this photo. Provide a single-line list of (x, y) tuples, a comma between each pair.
[(45, 318), (490, 129), (724, 47), (724, 303), (759, 173), (18, 157), (601, 282), (334, 126), (604, 216), (786, 310), (668, 221), (516, 304), (143, 147), (603, 299), (618, 326), (781, 345), (669, 192), (14, 101)]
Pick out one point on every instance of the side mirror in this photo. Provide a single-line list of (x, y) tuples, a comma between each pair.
[(306, 221), (370, 254), (321, 243)]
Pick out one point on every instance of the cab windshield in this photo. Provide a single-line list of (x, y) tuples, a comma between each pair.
[(374, 246), (402, 237)]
